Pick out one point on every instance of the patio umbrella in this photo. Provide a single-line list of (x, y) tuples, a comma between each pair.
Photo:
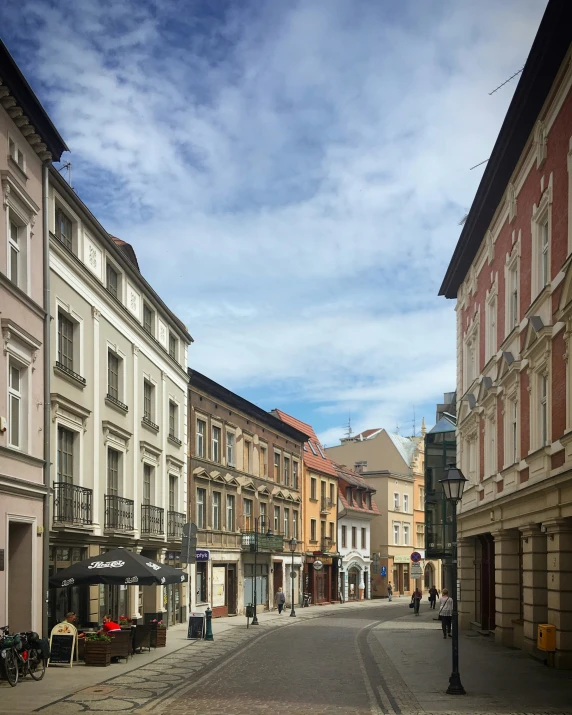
[(117, 568)]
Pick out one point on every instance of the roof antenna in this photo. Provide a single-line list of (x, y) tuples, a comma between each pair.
[(349, 431), (396, 429), (67, 165)]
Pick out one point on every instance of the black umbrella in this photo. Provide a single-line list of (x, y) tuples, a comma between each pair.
[(117, 568)]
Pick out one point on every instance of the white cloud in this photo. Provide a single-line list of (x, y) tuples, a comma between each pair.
[(290, 174)]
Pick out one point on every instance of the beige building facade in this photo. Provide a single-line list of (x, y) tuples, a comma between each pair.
[(393, 465), (28, 144)]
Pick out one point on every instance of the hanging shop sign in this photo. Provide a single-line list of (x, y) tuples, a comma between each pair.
[(318, 565), (203, 555)]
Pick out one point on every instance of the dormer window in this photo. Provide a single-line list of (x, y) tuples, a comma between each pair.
[(112, 284), (64, 229), (148, 319), (172, 346)]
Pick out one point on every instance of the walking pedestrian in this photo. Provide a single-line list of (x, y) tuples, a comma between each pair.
[(280, 599), (416, 600), (389, 592), (433, 593), (446, 613)]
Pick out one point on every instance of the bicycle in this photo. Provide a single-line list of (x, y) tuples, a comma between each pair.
[(8, 656), (31, 659)]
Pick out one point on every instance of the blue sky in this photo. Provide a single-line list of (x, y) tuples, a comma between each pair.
[(291, 175)]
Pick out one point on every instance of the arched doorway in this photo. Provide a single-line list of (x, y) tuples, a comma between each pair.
[(353, 583), (429, 576)]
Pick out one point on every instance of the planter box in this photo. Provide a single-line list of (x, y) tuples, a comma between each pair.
[(158, 637), (97, 653)]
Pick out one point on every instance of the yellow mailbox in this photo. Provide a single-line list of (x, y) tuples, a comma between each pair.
[(546, 637)]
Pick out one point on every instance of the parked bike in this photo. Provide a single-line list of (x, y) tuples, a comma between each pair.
[(23, 654), (306, 600), (8, 656)]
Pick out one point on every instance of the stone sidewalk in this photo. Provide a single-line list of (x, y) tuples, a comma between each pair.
[(146, 677)]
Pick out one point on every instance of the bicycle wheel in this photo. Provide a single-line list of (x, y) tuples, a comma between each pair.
[(36, 664), (11, 667)]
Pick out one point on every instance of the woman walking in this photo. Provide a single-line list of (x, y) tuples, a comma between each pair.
[(389, 592), (280, 599), (446, 613), (433, 593), (416, 600)]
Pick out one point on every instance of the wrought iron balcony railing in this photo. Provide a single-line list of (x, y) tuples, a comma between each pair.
[(72, 504), (325, 505), (118, 513), (70, 373), (262, 542), (175, 523), (326, 544), (116, 402), (152, 520)]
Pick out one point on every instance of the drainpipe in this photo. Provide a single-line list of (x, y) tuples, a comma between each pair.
[(47, 404)]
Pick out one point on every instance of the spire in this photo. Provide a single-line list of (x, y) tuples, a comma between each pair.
[(423, 427)]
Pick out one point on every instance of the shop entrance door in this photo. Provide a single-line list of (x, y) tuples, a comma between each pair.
[(353, 583), (278, 579), (231, 579)]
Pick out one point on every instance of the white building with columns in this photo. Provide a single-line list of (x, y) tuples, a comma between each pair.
[(119, 415)]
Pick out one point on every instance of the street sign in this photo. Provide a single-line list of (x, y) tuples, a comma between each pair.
[(189, 543), (416, 571), (383, 571), (292, 574), (416, 557)]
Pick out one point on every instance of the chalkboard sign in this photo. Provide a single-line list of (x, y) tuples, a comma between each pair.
[(62, 644), (196, 626)]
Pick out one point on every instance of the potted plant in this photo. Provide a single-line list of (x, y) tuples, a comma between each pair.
[(158, 634), (97, 649), (124, 622)]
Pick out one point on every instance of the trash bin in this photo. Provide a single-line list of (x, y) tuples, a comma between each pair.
[(546, 637), (250, 611)]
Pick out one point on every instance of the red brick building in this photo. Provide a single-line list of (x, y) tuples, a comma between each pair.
[(511, 274)]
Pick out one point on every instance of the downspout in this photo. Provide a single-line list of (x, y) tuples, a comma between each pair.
[(47, 404)]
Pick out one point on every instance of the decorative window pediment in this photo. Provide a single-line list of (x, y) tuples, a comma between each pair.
[(487, 391), (538, 337), (508, 368), (201, 473), (115, 436), (231, 481)]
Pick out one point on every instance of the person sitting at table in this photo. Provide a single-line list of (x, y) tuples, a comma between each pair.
[(109, 626), (70, 617)]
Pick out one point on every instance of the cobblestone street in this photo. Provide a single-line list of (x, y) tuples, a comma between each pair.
[(370, 658)]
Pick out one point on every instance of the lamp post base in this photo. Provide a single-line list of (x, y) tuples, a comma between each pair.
[(254, 621), (292, 612), (455, 685)]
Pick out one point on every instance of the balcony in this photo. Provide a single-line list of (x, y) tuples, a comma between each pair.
[(152, 520), (208, 538), (326, 544), (325, 505), (72, 504), (70, 374), (175, 523), (118, 513), (261, 542), (114, 402)]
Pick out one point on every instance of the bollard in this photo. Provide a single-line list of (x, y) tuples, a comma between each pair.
[(209, 626)]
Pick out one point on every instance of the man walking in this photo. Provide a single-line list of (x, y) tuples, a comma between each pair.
[(433, 593), (446, 613), (416, 599)]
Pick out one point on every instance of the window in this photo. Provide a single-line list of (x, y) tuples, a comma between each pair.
[(313, 487), (147, 470), (112, 473), (396, 533), (14, 249), (543, 384), (148, 319), (148, 400), (112, 284), (172, 346), (216, 511), (421, 497), (286, 523), (363, 538), (344, 536), (313, 530), (215, 446), (173, 492), (230, 512), (396, 501), (174, 419), (322, 532), (332, 495), (65, 341), (406, 503), (420, 535), (15, 379), (248, 514), (263, 461), (276, 466), (247, 463), (286, 472), (490, 445), (514, 431), (65, 455), (294, 474), (201, 431), (276, 519), (354, 537), (16, 154), (113, 375), (230, 449), (406, 534), (264, 524), (313, 449), (295, 524), (368, 500), (544, 256), (491, 335), (201, 500), (319, 446), (512, 302), (331, 532), (64, 229)]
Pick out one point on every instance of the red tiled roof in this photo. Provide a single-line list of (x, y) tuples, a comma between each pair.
[(312, 461), (353, 479), (367, 433), (126, 249)]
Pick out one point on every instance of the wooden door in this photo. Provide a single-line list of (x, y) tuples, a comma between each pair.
[(231, 585)]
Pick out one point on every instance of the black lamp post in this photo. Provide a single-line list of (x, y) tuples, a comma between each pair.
[(258, 523), (453, 485), (292, 544)]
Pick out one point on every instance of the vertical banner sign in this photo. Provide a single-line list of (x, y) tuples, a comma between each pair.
[(189, 543)]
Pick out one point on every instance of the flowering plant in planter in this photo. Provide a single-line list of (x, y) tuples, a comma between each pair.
[(158, 624), (97, 637), (124, 621)]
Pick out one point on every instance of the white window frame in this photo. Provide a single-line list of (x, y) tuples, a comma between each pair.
[(276, 519), (540, 408), (541, 230), (295, 474), (200, 510), (171, 400), (219, 443), (491, 324), (230, 512), (120, 371), (22, 213), (471, 366), (201, 438), (490, 443), (295, 523), (406, 534), (406, 503), (216, 510), (230, 448), (396, 528), (396, 502), (16, 153), (286, 521), (512, 284), (16, 396), (78, 335)]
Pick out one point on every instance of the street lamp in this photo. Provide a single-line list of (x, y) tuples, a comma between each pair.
[(292, 544), (453, 485), (258, 522)]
